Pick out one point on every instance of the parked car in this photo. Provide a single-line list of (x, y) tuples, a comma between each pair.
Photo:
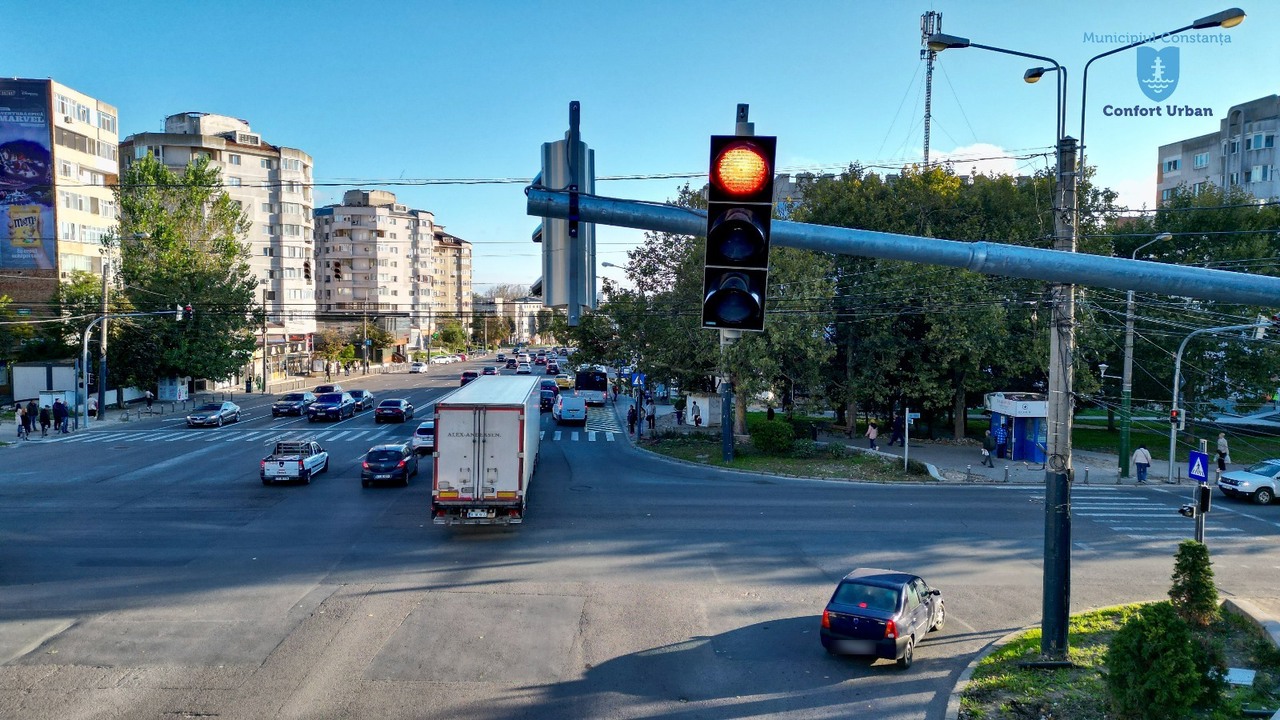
[(424, 438), (388, 463), (883, 613), (397, 409), (418, 367), (563, 381), (489, 370), (332, 406), (467, 376), (333, 388), (440, 360), (546, 400), (214, 414), (524, 369), (1257, 481), (570, 409), (294, 403), (512, 364), (364, 399)]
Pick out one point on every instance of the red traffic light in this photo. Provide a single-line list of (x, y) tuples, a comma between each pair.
[(741, 169)]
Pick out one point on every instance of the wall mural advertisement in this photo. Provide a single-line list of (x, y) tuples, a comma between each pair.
[(27, 230)]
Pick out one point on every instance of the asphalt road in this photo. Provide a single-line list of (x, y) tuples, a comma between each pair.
[(146, 573)]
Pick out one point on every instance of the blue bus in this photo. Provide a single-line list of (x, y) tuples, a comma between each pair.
[(592, 386)]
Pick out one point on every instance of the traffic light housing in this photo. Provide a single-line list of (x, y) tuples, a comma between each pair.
[(739, 216), (337, 270), (1187, 511), (187, 313), (177, 315), (1177, 418), (1204, 499), (306, 270)]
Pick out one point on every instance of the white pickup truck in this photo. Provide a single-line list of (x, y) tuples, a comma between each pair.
[(294, 460)]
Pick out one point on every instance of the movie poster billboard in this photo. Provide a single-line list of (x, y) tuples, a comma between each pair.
[(28, 235)]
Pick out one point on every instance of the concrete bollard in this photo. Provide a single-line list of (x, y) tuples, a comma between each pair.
[(968, 473), (1006, 473), (1086, 474)]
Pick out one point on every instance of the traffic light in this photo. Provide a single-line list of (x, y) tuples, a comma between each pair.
[(1187, 511), (177, 315), (1177, 418), (187, 313), (306, 270), (337, 270), (739, 213), (1204, 499)]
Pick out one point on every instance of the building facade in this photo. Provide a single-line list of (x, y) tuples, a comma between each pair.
[(273, 185), (58, 166), (378, 258), (1242, 153)]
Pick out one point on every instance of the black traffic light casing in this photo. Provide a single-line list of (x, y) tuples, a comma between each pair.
[(1187, 511), (306, 270), (1204, 499), (337, 270), (187, 313), (739, 216)]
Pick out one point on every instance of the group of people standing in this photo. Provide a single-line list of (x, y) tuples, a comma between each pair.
[(56, 416)]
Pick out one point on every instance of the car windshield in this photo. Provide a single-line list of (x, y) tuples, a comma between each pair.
[(330, 398), (209, 407), (324, 389), (426, 431), (867, 596), (293, 397), (390, 404), (384, 456), (1267, 468)]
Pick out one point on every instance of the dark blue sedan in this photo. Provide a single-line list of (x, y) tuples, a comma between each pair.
[(331, 406), (882, 613)]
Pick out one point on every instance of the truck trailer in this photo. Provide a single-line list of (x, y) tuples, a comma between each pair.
[(486, 450)]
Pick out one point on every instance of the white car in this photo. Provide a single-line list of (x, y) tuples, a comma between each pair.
[(524, 369), (424, 438), (418, 367), (440, 360), (1258, 482), (569, 409)]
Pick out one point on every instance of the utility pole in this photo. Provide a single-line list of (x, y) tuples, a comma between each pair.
[(102, 362), (930, 23), (264, 341)]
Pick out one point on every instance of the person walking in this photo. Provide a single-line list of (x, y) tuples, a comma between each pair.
[(46, 417), (33, 411), (28, 419), (1142, 461), (897, 432), (1002, 440), (59, 417), (24, 424), (151, 398), (631, 420), (697, 415), (651, 414), (988, 449), (873, 431), (1224, 454)]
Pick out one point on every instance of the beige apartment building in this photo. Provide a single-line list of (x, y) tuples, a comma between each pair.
[(382, 260), (273, 184), (58, 167)]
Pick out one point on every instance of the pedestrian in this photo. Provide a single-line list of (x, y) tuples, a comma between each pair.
[(1002, 440), (24, 425), (615, 393), (29, 419), (697, 415), (93, 407), (873, 431), (1142, 461), (46, 417), (651, 413), (631, 419), (59, 416), (1224, 454), (151, 398), (988, 448), (32, 412), (897, 432), (328, 372)]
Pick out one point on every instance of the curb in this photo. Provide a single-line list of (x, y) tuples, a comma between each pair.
[(1269, 624), (962, 683)]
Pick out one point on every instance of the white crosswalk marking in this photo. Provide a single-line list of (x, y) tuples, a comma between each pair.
[(591, 436), (608, 436), (574, 435), (1135, 516), (542, 434), (556, 437)]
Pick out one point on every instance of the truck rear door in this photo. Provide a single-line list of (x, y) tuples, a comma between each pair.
[(500, 451)]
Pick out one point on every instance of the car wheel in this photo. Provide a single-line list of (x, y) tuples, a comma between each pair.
[(219, 421), (266, 481), (1264, 496), (305, 477), (941, 618), (236, 418), (908, 654), (325, 467)]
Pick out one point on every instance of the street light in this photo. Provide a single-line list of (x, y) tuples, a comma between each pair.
[(1126, 382)]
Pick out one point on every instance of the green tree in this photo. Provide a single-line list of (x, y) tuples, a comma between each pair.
[(452, 335), (379, 337), (329, 345), (182, 241), (1193, 593)]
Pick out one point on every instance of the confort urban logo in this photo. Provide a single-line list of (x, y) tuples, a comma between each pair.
[(1158, 71)]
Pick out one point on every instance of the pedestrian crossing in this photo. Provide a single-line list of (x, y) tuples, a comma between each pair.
[(373, 436), (576, 436), (603, 419), (1139, 516)]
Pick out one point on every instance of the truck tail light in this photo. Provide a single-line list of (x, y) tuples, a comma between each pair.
[(891, 629), (300, 464)]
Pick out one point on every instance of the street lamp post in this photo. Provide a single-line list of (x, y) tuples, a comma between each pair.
[(1058, 471), (1126, 382)]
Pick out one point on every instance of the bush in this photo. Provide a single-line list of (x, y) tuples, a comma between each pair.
[(1151, 667), (772, 437), (1193, 593)]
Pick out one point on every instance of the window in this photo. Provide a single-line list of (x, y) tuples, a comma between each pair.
[(107, 121), (1166, 194), (1172, 165), (66, 230), (1201, 160), (266, 163), (290, 164), (1235, 146), (233, 159), (233, 181), (1234, 179), (265, 207), (266, 229), (65, 169), (269, 251)]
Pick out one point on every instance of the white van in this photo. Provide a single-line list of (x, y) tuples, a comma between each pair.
[(570, 409)]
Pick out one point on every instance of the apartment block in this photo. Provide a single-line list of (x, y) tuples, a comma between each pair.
[(1242, 153), (378, 258), (58, 166), (273, 185)]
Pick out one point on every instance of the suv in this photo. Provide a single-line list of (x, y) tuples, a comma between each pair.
[(1257, 482), (468, 376), (294, 403), (424, 438)]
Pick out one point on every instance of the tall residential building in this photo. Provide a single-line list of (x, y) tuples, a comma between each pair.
[(273, 185), (58, 165), (376, 257), (1242, 153)]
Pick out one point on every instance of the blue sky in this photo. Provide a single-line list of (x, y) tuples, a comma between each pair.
[(432, 90)]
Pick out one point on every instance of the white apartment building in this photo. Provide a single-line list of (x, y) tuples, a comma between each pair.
[(273, 185), (58, 164), (1241, 153), (378, 258)]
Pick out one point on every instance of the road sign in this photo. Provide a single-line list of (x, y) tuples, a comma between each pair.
[(24, 311), (1198, 466), (913, 416), (368, 342)]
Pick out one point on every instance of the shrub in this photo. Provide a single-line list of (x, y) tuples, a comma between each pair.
[(1193, 593), (1151, 666), (807, 449), (772, 437)]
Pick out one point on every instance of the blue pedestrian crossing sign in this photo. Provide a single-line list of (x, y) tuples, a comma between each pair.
[(1198, 466)]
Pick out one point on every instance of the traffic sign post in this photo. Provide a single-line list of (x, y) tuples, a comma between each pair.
[(1198, 466), (906, 434)]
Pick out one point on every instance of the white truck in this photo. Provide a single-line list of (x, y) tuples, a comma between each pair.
[(294, 460), (486, 450)]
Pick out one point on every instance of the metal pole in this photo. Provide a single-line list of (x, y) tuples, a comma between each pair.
[(906, 434), (102, 362), (1057, 530), (1126, 387), (82, 395), (1195, 496), (1177, 378), (264, 341)]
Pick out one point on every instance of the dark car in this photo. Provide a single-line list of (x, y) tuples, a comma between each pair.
[(397, 409), (883, 613), (334, 388), (468, 376), (294, 403), (553, 368), (388, 463), (540, 360), (512, 364), (502, 357), (546, 400), (364, 399), (331, 406), (214, 414), (489, 370), (551, 385)]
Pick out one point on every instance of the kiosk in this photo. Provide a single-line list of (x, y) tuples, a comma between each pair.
[(1024, 416)]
